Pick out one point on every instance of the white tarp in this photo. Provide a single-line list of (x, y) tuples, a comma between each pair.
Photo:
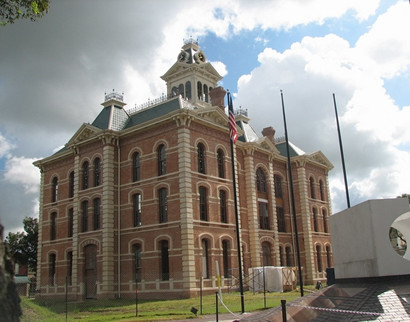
[(272, 276)]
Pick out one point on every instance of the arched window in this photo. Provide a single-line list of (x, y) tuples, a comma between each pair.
[(222, 206), (85, 175), (260, 180), (84, 222), (203, 203), (205, 259), (289, 261), (315, 220), (97, 172), (201, 158), (263, 215), (54, 194), (174, 91), (312, 188), (53, 226), (199, 88), (325, 221), (322, 190), (319, 258), (136, 201), (52, 269), (278, 186), (71, 185), (328, 256), (97, 213), (137, 262), (266, 254), (136, 166), (221, 163), (162, 160), (70, 267), (225, 257), (181, 90), (281, 219), (206, 92), (70, 229), (281, 256), (188, 90), (163, 205), (164, 260)]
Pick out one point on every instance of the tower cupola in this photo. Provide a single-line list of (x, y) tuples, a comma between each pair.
[(192, 76)]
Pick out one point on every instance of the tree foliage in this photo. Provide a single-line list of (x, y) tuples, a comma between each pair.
[(22, 246), (11, 10)]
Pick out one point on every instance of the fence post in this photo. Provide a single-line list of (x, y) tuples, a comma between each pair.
[(200, 294), (216, 306), (264, 287), (136, 299), (283, 302), (66, 298)]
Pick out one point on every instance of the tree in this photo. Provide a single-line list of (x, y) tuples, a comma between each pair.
[(23, 245), (11, 10)]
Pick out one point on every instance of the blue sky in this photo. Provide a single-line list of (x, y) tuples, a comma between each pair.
[(54, 73)]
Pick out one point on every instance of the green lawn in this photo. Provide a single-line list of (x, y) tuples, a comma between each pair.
[(125, 310)]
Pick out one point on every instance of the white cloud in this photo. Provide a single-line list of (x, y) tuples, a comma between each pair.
[(5, 147), (386, 46), (21, 171), (373, 127)]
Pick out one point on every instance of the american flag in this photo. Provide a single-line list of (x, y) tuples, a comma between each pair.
[(233, 133)]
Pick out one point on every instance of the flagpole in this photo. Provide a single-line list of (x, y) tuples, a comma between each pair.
[(238, 235), (292, 194), (341, 153)]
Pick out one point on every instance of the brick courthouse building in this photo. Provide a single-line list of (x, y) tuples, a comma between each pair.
[(144, 197)]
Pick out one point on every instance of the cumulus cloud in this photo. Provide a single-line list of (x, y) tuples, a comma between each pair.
[(373, 127), (54, 74), (20, 171)]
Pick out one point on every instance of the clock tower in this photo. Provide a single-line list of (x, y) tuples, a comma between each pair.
[(192, 76)]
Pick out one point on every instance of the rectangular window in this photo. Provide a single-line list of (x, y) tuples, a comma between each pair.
[(163, 206), (203, 206), (136, 167), (278, 186), (70, 222), (137, 261), (222, 206), (71, 185), (69, 268), (164, 260), (281, 220), (97, 215), (52, 269), (137, 209), (84, 208), (53, 228), (225, 257), (263, 215)]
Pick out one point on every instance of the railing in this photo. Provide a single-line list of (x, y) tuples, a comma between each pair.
[(114, 95), (149, 103), (241, 111)]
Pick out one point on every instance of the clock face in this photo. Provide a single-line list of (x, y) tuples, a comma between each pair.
[(182, 56), (200, 57)]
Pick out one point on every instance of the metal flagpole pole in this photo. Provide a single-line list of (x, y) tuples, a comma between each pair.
[(341, 153), (234, 136), (292, 197)]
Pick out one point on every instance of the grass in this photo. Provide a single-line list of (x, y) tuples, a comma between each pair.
[(148, 310)]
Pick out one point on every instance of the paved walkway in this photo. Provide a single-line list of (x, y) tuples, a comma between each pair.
[(377, 301), (381, 301)]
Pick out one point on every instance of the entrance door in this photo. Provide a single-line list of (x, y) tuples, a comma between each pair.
[(90, 271)]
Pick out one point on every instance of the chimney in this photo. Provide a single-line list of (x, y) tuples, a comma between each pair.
[(269, 132), (218, 97)]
